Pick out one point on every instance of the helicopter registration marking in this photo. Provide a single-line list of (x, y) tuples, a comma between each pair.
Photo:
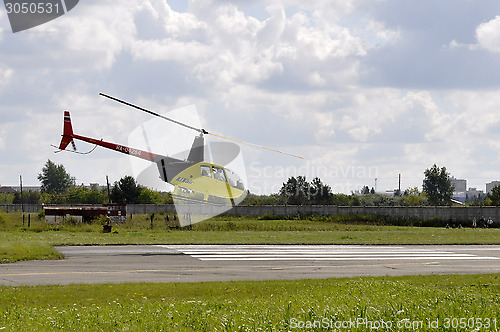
[(184, 180), (128, 150)]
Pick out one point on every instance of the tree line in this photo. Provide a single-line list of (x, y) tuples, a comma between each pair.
[(437, 191), (58, 187)]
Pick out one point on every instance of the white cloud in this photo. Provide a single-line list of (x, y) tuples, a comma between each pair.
[(6, 75), (89, 37), (171, 50), (4, 132), (223, 46), (290, 79), (332, 11), (273, 27), (177, 25), (2, 31), (477, 112), (488, 35), (100, 35), (376, 34)]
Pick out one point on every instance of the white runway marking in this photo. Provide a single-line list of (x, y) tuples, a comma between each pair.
[(319, 253)]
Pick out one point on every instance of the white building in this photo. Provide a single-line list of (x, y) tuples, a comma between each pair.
[(459, 184), (491, 185)]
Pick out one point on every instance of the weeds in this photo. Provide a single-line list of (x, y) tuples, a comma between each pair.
[(408, 303)]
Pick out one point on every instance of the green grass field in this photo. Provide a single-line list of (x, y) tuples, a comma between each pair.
[(416, 303), (19, 242)]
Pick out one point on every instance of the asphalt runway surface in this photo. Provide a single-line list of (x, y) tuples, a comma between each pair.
[(195, 263)]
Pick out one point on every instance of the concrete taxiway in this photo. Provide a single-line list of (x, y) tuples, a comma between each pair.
[(193, 263)]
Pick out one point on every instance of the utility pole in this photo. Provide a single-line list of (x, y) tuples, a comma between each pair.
[(22, 200), (107, 183), (399, 185)]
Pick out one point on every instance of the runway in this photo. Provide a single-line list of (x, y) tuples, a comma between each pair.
[(195, 263)]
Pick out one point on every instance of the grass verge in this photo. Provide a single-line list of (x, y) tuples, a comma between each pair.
[(437, 303), (31, 250), (19, 242)]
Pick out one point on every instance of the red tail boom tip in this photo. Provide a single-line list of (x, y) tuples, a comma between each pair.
[(67, 135)]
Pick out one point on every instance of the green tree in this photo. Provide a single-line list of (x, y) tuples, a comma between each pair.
[(97, 196), (167, 198), (30, 197), (148, 196), (365, 190), (437, 186), (295, 191), (319, 193), (76, 195), (83, 195), (494, 196), (126, 191), (54, 178), (253, 199), (377, 200), (343, 199), (412, 197), (6, 198)]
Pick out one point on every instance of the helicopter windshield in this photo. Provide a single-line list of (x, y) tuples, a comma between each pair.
[(205, 171), (234, 180)]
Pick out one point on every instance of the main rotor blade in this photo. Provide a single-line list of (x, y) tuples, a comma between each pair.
[(258, 146), (203, 131), (153, 113)]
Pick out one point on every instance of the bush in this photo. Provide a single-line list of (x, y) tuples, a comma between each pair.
[(367, 219)]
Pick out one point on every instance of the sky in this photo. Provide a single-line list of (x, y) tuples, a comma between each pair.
[(364, 90)]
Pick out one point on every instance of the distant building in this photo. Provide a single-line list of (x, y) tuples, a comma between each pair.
[(459, 184), (26, 188), (93, 186), (491, 185), (473, 194), (7, 190)]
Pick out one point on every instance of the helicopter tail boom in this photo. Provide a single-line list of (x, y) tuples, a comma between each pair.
[(68, 137)]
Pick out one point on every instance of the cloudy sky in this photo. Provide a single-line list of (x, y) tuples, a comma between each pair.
[(362, 89)]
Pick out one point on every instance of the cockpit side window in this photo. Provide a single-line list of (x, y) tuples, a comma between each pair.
[(205, 171), (234, 180), (219, 173)]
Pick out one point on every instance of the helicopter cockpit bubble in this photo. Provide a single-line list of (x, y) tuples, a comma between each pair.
[(234, 180)]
